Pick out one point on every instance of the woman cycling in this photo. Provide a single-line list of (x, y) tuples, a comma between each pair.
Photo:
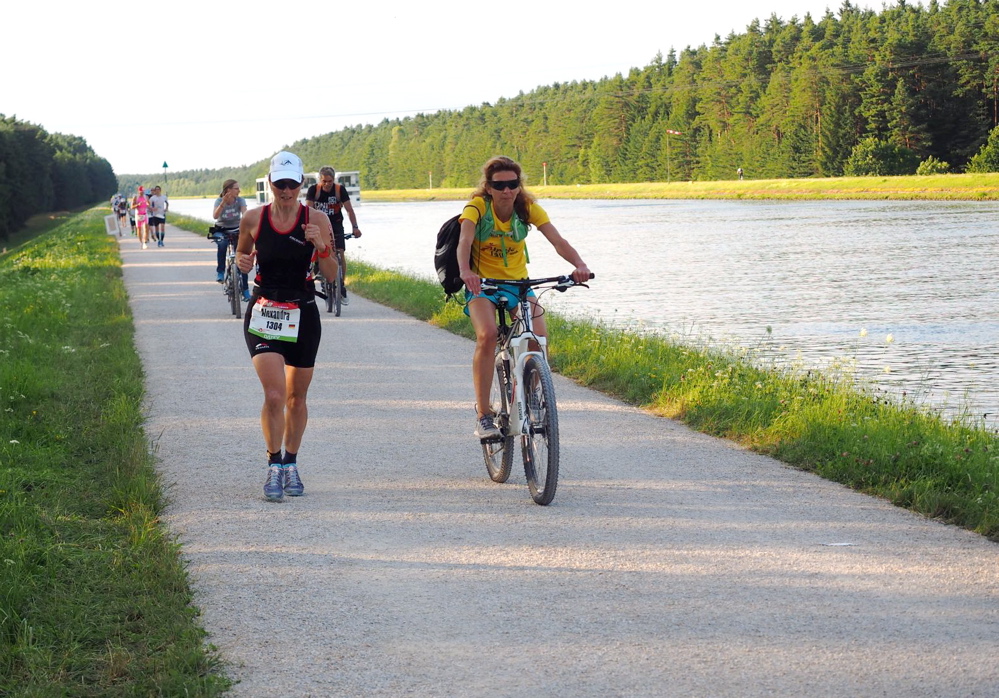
[(494, 227), (228, 211), (282, 327)]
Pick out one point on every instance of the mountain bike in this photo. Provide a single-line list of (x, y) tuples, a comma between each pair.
[(523, 394), (332, 289), (232, 282)]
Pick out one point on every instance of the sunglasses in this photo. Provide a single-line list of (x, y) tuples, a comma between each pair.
[(508, 184), (283, 184)]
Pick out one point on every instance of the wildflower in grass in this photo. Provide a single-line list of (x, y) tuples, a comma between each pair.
[(14, 441)]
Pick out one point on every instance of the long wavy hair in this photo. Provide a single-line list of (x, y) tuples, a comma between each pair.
[(226, 185), (501, 163)]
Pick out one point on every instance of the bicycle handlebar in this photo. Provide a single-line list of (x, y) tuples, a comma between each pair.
[(560, 283)]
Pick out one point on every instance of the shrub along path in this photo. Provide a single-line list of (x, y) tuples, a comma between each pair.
[(669, 561)]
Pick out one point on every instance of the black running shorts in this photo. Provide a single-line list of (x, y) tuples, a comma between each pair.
[(300, 354)]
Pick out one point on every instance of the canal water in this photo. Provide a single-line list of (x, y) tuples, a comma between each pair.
[(907, 292)]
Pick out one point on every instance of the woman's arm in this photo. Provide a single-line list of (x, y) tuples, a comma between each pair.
[(471, 279), (319, 231), (566, 251), (245, 253)]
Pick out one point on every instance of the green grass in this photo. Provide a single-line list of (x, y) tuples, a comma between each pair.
[(94, 598), (832, 425), (956, 187)]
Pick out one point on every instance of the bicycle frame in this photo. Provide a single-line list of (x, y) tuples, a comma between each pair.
[(515, 348)]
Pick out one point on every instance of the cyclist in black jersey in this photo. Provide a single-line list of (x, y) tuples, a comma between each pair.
[(282, 327)]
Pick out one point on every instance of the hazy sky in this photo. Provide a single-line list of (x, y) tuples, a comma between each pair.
[(206, 84)]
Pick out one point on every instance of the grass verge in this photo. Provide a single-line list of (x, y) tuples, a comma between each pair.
[(952, 187), (831, 425), (94, 599)]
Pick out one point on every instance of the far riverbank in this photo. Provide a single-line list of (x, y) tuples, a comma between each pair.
[(948, 187)]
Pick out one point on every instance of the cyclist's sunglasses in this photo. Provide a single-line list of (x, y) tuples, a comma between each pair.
[(508, 184), (283, 184)]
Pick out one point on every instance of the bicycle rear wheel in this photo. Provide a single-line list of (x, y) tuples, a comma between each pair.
[(498, 454), (540, 442)]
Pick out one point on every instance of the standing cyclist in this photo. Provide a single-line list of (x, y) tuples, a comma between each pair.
[(330, 197)]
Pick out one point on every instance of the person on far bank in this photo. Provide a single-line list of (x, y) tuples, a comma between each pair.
[(282, 328), (494, 228), (228, 212), (158, 207), (332, 198)]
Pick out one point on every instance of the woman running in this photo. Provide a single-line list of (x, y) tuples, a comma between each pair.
[(282, 327)]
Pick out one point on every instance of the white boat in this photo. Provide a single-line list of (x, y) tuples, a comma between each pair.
[(350, 180)]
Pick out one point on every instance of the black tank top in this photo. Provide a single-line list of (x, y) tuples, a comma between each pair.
[(283, 258)]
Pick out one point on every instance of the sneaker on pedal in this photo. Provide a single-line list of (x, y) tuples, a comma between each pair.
[(274, 486), (246, 295), (486, 428), (343, 297), (293, 486), (220, 276)]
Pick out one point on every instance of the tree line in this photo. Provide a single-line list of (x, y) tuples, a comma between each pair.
[(906, 90), (41, 171)]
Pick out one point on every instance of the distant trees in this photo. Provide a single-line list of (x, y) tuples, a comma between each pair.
[(856, 92), (42, 171)]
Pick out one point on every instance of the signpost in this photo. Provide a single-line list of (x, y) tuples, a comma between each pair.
[(675, 133), (164, 174)]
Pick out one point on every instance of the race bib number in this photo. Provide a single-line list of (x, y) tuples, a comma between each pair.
[(273, 320)]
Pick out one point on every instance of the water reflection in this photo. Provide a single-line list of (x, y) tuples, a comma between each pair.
[(816, 273)]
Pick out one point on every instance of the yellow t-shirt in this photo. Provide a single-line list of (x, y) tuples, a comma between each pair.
[(487, 255)]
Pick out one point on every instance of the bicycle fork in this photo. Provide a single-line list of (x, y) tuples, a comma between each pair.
[(518, 348)]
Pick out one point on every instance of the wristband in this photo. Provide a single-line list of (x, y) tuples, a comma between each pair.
[(325, 253)]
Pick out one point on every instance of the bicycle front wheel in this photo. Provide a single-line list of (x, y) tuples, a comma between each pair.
[(498, 454), (234, 292), (337, 291), (328, 292), (540, 440)]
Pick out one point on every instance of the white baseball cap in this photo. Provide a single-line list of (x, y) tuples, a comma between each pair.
[(286, 165)]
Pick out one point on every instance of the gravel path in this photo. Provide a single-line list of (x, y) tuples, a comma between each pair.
[(670, 563)]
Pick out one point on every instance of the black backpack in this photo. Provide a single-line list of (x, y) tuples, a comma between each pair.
[(446, 256)]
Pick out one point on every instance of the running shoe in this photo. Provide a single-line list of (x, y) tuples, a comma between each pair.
[(486, 428), (274, 486), (144, 245), (246, 295), (343, 297), (293, 486)]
